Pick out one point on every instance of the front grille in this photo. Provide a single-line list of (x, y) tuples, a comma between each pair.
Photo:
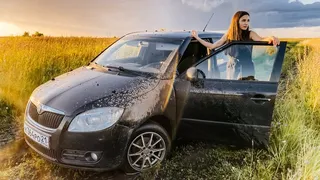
[(48, 152), (47, 119)]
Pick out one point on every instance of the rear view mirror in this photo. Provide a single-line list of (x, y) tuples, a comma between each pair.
[(143, 44), (192, 74)]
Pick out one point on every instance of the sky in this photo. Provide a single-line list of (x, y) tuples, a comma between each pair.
[(103, 18)]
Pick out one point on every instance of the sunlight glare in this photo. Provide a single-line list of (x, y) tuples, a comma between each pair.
[(8, 29)]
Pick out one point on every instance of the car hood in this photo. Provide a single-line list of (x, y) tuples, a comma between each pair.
[(84, 88)]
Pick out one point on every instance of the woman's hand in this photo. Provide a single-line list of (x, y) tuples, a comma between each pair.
[(274, 40), (194, 34), (271, 39)]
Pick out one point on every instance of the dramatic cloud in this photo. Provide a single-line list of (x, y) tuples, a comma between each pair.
[(109, 17), (264, 13)]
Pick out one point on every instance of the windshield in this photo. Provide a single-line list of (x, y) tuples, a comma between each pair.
[(139, 54)]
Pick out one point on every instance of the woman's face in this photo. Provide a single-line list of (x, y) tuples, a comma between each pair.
[(244, 22)]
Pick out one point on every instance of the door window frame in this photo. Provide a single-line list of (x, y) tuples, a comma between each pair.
[(186, 44)]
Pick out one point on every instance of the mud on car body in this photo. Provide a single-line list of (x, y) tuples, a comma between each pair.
[(126, 107)]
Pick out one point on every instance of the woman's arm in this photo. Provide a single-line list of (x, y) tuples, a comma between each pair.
[(271, 39), (209, 45)]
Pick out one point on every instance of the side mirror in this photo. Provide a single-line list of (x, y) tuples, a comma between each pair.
[(192, 74)]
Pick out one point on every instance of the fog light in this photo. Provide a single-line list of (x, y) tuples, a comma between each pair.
[(70, 156), (94, 156)]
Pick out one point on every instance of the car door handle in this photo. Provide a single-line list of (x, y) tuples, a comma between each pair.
[(260, 99)]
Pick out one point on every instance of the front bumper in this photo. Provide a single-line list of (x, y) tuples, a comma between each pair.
[(70, 149)]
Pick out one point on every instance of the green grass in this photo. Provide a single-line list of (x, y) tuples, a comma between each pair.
[(294, 151)]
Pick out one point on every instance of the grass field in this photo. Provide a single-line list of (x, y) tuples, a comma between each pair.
[(294, 151)]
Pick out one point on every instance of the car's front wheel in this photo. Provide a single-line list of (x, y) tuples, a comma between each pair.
[(148, 146)]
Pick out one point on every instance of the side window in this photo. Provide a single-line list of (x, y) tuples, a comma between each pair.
[(241, 62)]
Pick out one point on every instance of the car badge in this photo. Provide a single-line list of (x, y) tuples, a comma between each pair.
[(40, 108)]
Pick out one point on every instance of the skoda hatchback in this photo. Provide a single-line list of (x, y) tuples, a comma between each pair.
[(125, 108)]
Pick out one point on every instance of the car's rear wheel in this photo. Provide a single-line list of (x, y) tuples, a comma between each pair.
[(149, 145)]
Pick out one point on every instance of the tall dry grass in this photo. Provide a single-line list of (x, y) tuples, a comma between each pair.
[(28, 62), (306, 92), (25, 63)]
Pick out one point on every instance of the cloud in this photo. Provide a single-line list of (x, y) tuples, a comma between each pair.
[(263, 13), (101, 18), (204, 5), (108, 17)]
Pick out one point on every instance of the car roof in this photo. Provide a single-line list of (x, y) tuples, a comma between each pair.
[(174, 34)]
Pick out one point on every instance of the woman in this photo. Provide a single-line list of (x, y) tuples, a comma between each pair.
[(239, 56)]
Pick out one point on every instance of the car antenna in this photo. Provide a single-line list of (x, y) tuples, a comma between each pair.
[(207, 23)]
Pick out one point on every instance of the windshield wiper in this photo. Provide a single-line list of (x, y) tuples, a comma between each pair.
[(125, 70), (122, 69)]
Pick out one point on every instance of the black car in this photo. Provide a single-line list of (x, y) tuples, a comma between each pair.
[(125, 108)]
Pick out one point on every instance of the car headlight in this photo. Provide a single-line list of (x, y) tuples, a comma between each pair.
[(95, 119)]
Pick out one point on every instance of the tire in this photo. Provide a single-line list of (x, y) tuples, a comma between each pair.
[(137, 152)]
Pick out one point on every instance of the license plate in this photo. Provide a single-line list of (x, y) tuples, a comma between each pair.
[(36, 136)]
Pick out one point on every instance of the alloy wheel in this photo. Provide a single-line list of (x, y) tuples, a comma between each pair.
[(146, 150)]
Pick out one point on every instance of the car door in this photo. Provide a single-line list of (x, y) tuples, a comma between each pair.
[(244, 115), (197, 97)]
